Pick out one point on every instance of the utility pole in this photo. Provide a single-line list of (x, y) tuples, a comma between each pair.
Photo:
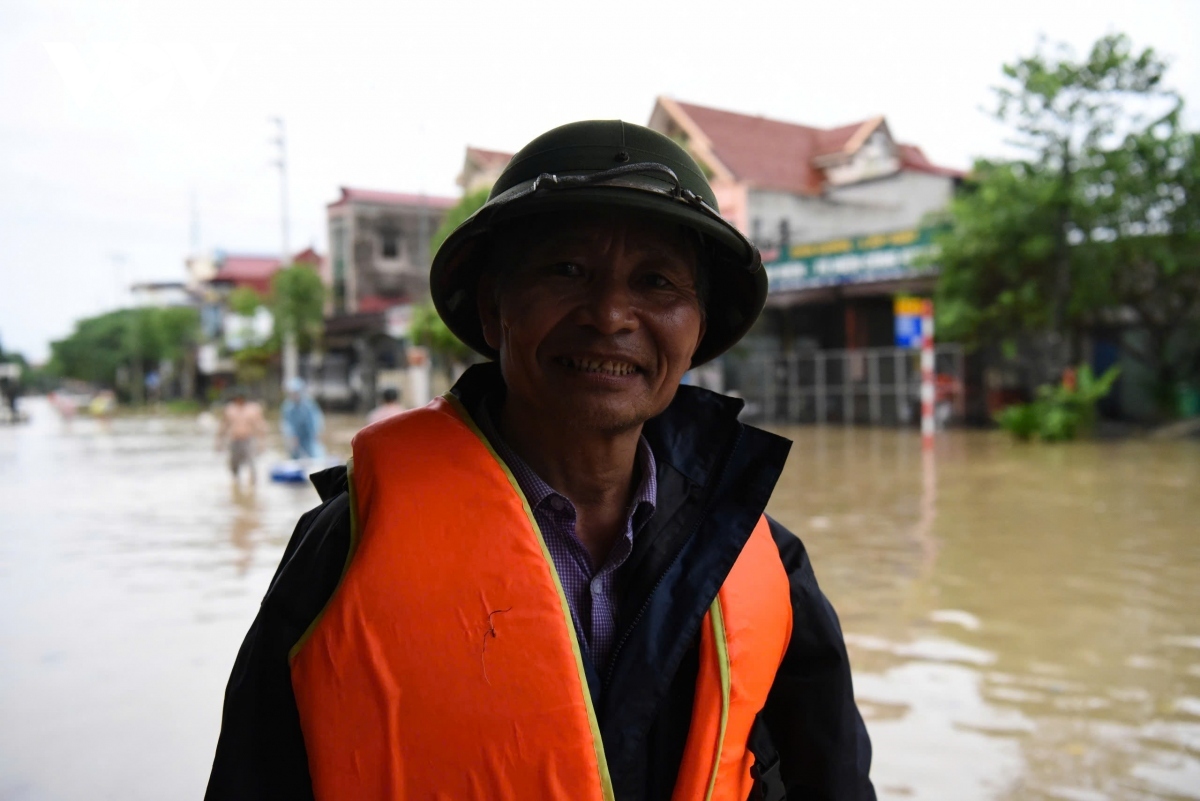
[(280, 141), (291, 359), (194, 232)]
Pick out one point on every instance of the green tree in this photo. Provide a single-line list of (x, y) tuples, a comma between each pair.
[(1145, 250), (136, 340), (457, 215), (1046, 246), (298, 304), (245, 301), (427, 327)]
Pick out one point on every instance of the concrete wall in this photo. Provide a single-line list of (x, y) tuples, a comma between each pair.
[(893, 203), (360, 235)]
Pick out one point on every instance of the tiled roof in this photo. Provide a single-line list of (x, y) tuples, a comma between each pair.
[(256, 272), (772, 154), (307, 256), (249, 271), (351, 195), (913, 158), (488, 159)]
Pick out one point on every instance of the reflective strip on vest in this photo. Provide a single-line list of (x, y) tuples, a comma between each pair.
[(742, 642), (446, 665)]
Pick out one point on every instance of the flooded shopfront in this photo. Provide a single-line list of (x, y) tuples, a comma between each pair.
[(1024, 621)]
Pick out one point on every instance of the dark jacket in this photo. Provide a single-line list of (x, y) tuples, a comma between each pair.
[(715, 476)]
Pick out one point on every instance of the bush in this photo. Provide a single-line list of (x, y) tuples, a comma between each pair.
[(1061, 412)]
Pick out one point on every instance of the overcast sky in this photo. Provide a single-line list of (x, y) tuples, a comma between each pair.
[(113, 116)]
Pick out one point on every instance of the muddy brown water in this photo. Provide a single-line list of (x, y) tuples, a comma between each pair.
[(1023, 621)]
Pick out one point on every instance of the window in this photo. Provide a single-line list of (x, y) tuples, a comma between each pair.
[(785, 234), (390, 247)]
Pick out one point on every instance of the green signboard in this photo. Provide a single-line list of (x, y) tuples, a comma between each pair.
[(851, 260)]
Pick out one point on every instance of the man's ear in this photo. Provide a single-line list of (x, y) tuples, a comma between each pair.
[(489, 310)]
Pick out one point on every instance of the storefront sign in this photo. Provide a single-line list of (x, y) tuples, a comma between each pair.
[(852, 260)]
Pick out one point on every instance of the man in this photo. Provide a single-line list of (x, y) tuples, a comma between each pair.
[(10, 391), (389, 408), (302, 422), (557, 580), (243, 425)]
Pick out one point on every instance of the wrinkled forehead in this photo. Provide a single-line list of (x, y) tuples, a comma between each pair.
[(595, 232)]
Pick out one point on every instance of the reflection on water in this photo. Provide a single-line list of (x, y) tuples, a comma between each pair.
[(1023, 620)]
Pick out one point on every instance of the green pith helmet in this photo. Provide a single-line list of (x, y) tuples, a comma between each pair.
[(605, 165)]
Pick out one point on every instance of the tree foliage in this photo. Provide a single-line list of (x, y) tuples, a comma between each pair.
[(99, 346), (457, 215), (244, 301), (1097, 224), (428, 329), (298, 304)]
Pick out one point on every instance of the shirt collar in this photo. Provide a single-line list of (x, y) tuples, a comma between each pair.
[(537, 491)]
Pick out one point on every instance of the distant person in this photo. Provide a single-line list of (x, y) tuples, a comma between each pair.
[(64, 405), (103, 404), (302, 422), (243, 425), (390, 406), (11, 391)]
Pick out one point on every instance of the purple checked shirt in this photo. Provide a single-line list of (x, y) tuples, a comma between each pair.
[(590, 591)]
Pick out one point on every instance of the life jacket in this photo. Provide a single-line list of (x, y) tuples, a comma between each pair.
[(446, 665)]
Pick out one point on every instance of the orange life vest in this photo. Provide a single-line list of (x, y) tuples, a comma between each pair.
[(445, 665)]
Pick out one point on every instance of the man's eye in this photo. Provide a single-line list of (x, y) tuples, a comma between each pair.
[(656, 281), (567, 269)]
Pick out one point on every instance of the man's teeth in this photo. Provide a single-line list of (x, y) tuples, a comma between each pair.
[(599, 366)]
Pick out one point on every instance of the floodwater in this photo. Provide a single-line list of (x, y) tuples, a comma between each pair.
[(1024, 621)]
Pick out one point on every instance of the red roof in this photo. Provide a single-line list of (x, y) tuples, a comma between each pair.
[(375, 303), (307, 256), (488, 159), (350, 195), (254, 272), (773, 154), (913, 158)]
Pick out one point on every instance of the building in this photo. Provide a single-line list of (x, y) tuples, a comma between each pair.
[(840, 215), (379, 248), (481, 168), (378, 269), (211, 279)]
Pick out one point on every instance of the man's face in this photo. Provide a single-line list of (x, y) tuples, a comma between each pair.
[(595, 319)]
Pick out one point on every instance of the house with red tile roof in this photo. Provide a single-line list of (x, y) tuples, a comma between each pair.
[(379, 248), (379, 259), (841, 216), (481, 168), (221, 269)]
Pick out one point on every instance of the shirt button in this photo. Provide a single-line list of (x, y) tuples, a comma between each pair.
[(558, 504)]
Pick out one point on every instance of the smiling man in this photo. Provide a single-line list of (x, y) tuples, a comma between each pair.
[(558, 580)]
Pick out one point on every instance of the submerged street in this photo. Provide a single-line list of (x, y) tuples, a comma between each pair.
[(1022, 619)]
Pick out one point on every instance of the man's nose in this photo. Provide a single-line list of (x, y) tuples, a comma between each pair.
[(609, 306)]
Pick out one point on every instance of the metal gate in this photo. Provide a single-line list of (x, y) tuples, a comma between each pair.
[(874, 386)]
